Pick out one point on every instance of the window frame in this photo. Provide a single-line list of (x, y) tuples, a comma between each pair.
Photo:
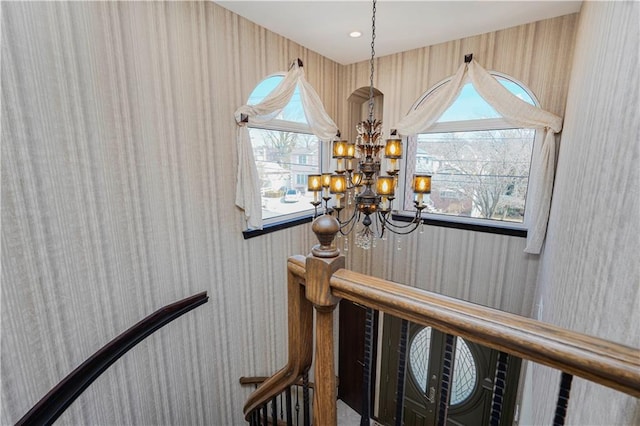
[(463, 222), (286, 220)]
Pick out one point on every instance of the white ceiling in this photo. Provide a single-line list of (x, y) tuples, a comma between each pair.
[(324, 26)]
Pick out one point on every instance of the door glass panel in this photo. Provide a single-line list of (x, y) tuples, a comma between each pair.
[(465, 373), (419, 357)]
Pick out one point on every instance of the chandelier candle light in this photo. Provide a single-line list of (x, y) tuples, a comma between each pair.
[(358, 166)]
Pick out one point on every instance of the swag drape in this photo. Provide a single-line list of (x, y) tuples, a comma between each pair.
[(515, 111), (248, 182)]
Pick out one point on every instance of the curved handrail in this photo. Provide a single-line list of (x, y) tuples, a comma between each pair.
[(598, 360), (56, 401), (300, 319), (258, 380)]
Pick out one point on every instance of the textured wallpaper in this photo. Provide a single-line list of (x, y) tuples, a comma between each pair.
[(590, 274), (118, 183)]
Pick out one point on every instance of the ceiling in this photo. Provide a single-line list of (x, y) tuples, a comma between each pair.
[(324, 26)]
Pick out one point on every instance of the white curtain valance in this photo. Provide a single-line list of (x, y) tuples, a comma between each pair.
[(515, 111), (248, 195)]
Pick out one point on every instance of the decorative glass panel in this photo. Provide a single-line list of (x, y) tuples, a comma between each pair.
[(465, 374), (419, 357)]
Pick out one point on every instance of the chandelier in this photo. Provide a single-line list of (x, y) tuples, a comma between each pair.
[(358, 178)]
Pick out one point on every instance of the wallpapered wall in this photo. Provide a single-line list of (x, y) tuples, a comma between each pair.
[(484, 268), (589, 269), (118, 180), (118, 174)]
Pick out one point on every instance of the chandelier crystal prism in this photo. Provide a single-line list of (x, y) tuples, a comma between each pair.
[(358, 177)]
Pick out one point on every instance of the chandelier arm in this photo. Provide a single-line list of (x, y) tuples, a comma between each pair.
[(342, 224), (417, 218), (351, 223), (354, 222), (395, 228), (378, 226), (398, 232), (390, 224)]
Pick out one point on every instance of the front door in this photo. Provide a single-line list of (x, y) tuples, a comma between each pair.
[(471, 385), (352, 322)]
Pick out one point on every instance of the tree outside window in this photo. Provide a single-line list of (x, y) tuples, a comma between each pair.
[(285, 153), (478, 162)]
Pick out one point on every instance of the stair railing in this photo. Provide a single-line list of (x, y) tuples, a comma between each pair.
[(58, 399), (300, 333), (326, 282), (291, 407)]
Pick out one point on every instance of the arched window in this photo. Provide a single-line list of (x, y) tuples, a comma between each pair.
[(478, 161), (285, 151)]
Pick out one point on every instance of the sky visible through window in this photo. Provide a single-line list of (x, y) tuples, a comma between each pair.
[(292, 112), (471, 106), (284, 157), (481, 171)]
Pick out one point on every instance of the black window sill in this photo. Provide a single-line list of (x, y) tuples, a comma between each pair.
[(277, 226), (466, 226), (273, 227)]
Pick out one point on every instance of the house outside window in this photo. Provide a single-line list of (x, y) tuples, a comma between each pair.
[(479, 163), (285, 152)]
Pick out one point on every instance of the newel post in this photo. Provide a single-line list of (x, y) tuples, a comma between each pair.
[(320, 265)]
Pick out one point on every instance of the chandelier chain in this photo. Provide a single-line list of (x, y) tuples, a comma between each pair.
[(373, 54)]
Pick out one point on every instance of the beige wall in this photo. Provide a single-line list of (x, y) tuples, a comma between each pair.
[(484, 268), (589, 270), (118, 171), (118, 180)]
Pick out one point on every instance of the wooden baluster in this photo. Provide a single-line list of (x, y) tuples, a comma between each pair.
[(366, 369), (445, 385), (563, 399), (402, 368), (499, 386)]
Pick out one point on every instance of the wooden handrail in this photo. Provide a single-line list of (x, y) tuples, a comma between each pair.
[(56, 401), (598, 360), (326, 281), (300, 317), (258, 380)]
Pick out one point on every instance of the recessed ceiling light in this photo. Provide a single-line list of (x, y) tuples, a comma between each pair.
[(355, 34)]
